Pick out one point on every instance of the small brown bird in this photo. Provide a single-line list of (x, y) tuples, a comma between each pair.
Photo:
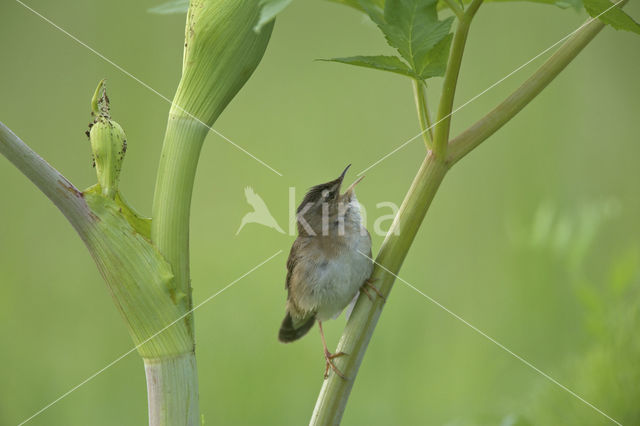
[(327, 265)]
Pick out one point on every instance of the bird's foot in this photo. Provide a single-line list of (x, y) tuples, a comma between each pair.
[(328, 357), (368, 285)]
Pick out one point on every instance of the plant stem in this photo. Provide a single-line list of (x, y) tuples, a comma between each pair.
[(455, 8), (52, 183), (359, 329), (443, 121), (355, 338), (172, 390), (221, 52), (420, 95), (172, 199), (178, 399), (512, 105)]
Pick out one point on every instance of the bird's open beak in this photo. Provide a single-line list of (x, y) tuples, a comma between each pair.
[(344, 173), (353, 185)]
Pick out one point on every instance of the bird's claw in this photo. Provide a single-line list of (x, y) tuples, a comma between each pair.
[(329, 364), (368, 285)]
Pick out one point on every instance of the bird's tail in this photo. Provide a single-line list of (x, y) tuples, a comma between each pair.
[(291, 331)]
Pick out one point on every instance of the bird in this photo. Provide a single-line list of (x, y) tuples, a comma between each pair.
[(260, 213), (329, 262)]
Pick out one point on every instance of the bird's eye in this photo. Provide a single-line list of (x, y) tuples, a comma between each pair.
[(328, 195)]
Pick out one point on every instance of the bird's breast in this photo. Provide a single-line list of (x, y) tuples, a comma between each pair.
[(330, 273)]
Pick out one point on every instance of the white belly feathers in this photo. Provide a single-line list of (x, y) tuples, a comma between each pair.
[(333, 279)]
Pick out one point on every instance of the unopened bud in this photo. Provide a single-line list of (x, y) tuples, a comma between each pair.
[(108, 143), (222, 50)]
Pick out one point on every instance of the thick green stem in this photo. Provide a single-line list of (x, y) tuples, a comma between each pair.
[(420, 95), (172, 199), (500, 115), (172, 389), (221, 52), (355, 338), (175, 400), (443, 121)]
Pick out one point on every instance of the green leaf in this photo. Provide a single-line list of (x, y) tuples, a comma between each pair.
[(611, 15), (356, 4), (413, 28), (382, 63), (175, 6), (563, 4), (436, 61), (270, 8)]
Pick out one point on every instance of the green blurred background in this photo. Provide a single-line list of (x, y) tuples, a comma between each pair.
[(534, 238)]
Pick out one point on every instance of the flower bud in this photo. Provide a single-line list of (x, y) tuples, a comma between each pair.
[(221, 52), (108, 143)]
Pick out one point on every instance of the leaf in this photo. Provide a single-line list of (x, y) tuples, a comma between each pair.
[(175, 6), (413, 28), (563, 4), (382, 63), (436, 63), (611, 15), (356, 4), (270, 8)]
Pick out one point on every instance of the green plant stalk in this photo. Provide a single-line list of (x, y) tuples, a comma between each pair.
[(464, 143), (335, 391), (357, 333), (420, 95), (221, 52), (172, 202), (137, 277), (455, 8), (443, 120), (172, 384), (66, 197)]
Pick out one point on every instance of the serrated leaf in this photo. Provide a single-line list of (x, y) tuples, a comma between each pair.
[(176, 6), (563, 4), (270, 8), (436, 63), (382, 63), (413, 28), (611, 15)]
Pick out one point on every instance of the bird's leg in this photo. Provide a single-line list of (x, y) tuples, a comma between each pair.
[(368, 285), (328, 356)]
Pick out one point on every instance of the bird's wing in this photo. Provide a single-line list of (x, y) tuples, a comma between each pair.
[(292, 261), (254, 199)]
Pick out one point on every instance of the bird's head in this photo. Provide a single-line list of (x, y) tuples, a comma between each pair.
[(324, 206)]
